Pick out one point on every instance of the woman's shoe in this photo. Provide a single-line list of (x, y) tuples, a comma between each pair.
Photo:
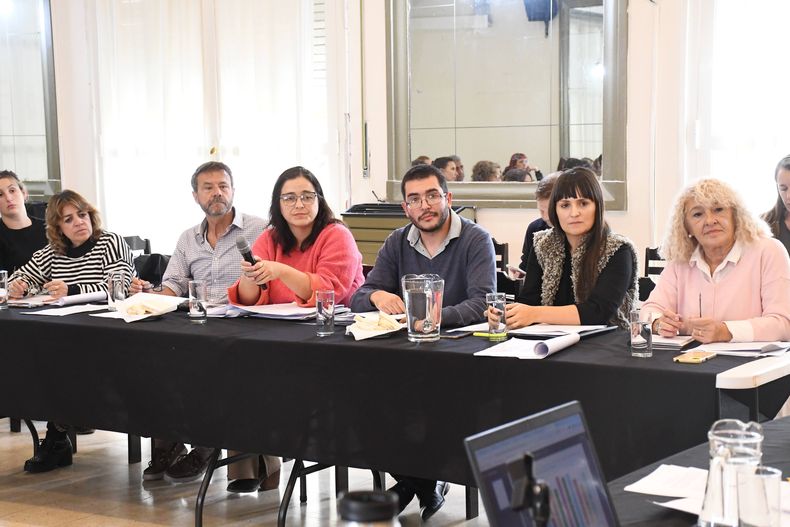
[(244, 485), (271, 482), (51, 454)]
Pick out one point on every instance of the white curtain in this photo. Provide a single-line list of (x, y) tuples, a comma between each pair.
[(180, 82), (736, 98)]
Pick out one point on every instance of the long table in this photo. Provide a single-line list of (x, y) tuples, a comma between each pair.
[(270, 386), (638, 509)]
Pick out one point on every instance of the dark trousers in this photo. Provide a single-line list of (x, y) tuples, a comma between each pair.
[(424, 488)]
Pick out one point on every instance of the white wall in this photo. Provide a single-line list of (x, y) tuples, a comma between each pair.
[(655, 34), (655, 68)]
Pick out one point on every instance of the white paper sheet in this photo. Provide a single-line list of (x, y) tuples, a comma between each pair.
[(69, 310), (688, 485), (530, 349), (672, 481), (747, 349)]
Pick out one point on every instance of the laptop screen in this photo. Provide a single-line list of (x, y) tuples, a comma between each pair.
[(564, 458)]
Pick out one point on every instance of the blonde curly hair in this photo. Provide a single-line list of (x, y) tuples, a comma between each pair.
[(678, 246)]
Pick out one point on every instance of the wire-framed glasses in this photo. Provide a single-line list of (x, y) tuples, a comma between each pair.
[(431, 198), (307, 198)]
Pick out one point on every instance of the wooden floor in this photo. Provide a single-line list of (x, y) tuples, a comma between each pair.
[(101, 489)]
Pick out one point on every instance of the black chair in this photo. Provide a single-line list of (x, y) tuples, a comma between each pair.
[(151, 267), (36, 209), (500, 254), (654, 264), (504, 284), (136, 243)]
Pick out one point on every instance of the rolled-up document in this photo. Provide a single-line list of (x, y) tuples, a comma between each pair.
[(530, 349)]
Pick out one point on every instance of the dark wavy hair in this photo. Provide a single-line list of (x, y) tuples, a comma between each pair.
[(582, 182), (282, 232), (56, 238), (514, 159), (422, 172), (779, 212)]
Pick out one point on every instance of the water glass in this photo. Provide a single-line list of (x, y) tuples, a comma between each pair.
[(197, 301), (759, 497), (497, 329), (3, 290), (116, 289), (325, 313), (422, 295), (641, 343)]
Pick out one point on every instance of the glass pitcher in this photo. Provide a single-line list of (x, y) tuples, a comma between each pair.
[(422, 295), (733, 445)]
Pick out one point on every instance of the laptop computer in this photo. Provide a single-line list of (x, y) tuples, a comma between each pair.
[(564, 457)]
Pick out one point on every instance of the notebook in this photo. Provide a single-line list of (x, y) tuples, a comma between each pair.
[(564, 457)]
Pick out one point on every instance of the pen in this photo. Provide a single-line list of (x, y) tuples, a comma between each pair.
[(700, 305), (488, 335)]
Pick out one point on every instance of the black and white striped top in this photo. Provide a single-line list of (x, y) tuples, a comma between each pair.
[(84, 274)]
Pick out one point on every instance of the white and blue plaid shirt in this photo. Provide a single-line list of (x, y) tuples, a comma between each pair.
[(220, 266)]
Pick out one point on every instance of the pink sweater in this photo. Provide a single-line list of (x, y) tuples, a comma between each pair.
[(752, 296), (333, 262)]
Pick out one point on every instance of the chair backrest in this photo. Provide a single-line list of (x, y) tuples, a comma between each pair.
[(151, 267), (136, 244), (654, 264), (500, 253)]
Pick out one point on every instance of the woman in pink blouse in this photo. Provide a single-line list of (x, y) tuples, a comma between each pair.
[(727, 279), (304, 250)]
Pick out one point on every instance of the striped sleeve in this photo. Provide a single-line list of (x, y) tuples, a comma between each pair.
[(37, 271), (89, 273)]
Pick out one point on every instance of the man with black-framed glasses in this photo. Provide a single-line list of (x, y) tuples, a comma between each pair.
[(438, 241)]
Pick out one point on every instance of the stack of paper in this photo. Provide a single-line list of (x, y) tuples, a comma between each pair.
[(48, 300), (288, 311), (537, 330), (671, 343)]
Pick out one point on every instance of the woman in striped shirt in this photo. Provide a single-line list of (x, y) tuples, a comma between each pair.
[(79, 256), (78, 259)]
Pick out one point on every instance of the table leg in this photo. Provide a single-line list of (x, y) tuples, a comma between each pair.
[(341, 479), (471, 503), (134, 449)]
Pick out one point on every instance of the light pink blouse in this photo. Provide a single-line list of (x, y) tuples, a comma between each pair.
[(749, 291)]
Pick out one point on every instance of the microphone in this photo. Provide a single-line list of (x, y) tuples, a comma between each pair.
[(246, 253)]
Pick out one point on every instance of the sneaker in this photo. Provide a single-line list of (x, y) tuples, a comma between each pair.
[(51, 454), (187, 468), (161, 460)]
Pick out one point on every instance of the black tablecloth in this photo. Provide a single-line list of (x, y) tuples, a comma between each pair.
[(269, 386), (638, 509)]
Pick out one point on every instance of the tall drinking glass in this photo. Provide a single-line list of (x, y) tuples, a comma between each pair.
[(497, 329), (3, 289), (197, 301), (641, 336), (116, 290), (325, 313)]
